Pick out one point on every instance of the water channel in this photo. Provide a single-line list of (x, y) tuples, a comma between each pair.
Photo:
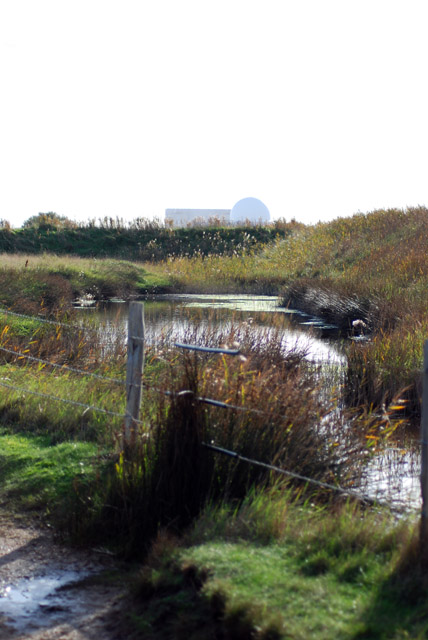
[(391, 477), (176, 315)]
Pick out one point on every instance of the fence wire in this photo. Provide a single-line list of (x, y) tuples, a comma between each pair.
[(203, 400), (75, 403), (65, 367), (297, 476), (56, 323)]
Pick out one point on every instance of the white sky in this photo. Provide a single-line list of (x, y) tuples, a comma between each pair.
[(317, 107)]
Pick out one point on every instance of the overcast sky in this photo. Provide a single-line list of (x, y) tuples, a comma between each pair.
[(318, 108)]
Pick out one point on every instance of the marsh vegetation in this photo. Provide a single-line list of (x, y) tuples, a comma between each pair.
[(193, 513)]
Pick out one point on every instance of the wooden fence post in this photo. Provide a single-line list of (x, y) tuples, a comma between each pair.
[(424, 451), (134, 369)]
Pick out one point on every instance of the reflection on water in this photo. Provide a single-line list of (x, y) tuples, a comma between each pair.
[(41, 601), (176, 315), (393, 477)]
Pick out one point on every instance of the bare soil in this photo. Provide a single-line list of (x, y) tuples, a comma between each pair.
[(49, 591)]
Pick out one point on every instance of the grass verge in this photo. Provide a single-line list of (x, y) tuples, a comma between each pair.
[(277, 568)]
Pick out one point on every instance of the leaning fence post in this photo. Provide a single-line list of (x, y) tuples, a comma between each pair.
[(424, 449), (134, 369)]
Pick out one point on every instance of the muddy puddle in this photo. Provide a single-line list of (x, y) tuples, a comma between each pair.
[(48, 591)]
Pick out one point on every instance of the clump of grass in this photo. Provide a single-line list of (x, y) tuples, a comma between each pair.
[(171, 601), (45, 477)]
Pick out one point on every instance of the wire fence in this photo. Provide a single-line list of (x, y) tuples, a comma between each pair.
[(21, 355), (43, 320)]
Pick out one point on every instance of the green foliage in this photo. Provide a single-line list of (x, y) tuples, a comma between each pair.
[(139, 240), (48, 221)]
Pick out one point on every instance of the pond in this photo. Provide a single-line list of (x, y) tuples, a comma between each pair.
[(175, 314)]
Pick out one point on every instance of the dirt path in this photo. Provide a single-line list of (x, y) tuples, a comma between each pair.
[(48, 591)]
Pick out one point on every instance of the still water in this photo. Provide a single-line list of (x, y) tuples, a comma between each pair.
[(177, 315)]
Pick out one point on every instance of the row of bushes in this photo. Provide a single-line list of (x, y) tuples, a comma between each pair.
[(153, 243)]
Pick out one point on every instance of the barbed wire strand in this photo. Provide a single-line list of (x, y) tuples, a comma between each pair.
[(210, 401), (75, 403), (56, 323), (324, 485), (65, 367)]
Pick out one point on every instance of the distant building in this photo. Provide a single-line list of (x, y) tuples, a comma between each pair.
[(183, 217), (247, 210), (250, 210)]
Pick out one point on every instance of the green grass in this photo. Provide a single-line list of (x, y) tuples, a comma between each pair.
[(318, 606), (276, 568), (37, 474), (20, 411)]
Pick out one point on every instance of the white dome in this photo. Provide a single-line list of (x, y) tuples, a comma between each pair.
[(250, 209)]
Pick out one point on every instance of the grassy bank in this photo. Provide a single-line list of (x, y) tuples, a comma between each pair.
[(35, 282), (275, 568), (378, 256)]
